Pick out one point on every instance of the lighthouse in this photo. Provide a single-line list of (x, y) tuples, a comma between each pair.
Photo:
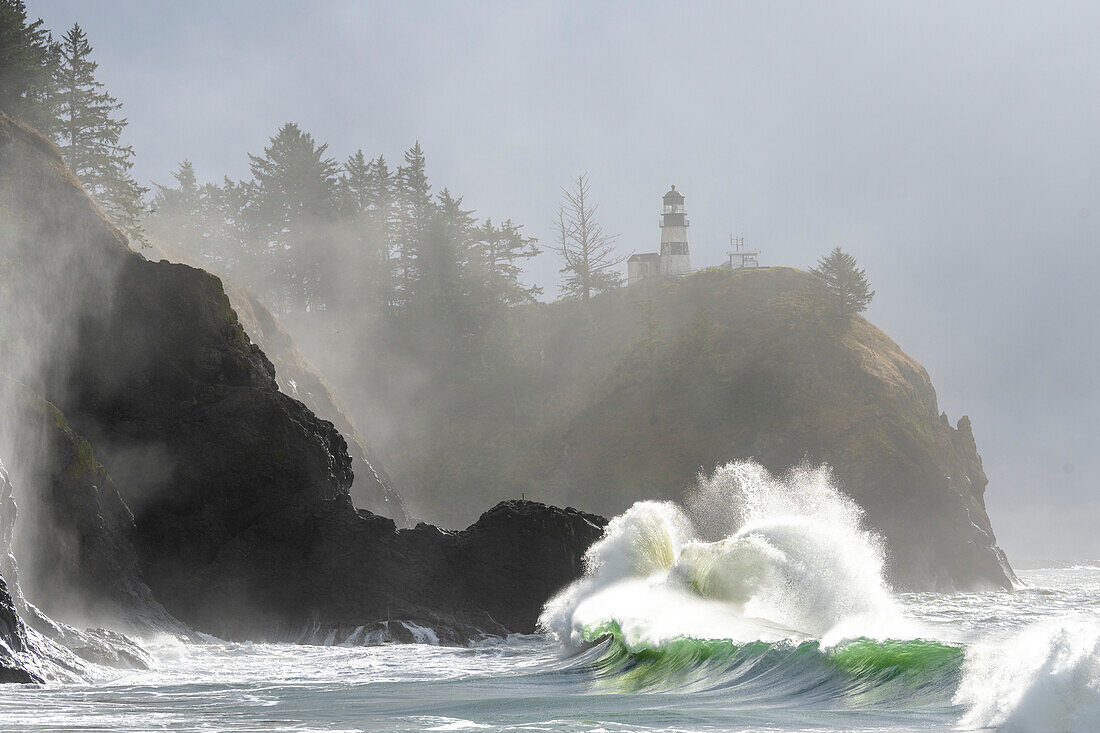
[(675, 258)]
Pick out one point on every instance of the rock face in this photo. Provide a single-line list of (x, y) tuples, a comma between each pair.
[(13, 641), (34, 648), (371, 487), (243, 521), (365, 576), (76, 532), (14, 645), (633, 395)]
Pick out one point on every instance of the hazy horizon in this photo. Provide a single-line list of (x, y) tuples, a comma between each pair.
[(952, 149)]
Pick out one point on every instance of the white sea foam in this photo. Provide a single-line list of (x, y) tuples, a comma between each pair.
[(525, 683), (754, 557), (421, 634), (1045, 677)]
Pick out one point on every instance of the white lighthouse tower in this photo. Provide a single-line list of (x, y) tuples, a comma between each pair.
[(675, 258)]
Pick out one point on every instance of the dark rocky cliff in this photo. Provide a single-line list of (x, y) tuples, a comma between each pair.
[(15, 646), (35, 648), (371, 488), (242, 519), (361, 575), (76, 534)]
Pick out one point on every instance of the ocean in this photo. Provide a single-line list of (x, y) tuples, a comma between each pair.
[(774, 615)]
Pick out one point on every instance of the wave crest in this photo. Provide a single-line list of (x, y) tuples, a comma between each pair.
[(1045, 677), (754, 557)]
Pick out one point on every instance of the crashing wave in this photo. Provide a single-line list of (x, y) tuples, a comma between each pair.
[(752, 557), (1046, 677), (771, 586)]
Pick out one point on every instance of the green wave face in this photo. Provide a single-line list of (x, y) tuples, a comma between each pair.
[(856, 674)]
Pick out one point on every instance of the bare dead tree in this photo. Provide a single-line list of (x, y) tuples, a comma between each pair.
[(587, 252)]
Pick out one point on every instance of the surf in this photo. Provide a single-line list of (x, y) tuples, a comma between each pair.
[(749, 557), (769, 592)]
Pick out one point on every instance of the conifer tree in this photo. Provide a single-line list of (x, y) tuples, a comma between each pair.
[(415, 210), (440, 296), (382, 196), (500, 250), (28, 56), (177, 213), (846, 283), (456, 226), (232, 229), (88, 132), (367, 266), (293, 199), (355, 183)]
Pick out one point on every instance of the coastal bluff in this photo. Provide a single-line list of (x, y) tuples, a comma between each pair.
[(631, 396), (243, 524)]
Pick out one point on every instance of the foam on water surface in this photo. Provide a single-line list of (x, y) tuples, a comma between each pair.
[(759, 605)]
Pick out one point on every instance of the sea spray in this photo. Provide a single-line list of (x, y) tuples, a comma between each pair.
[(903, 685), (1045, 677), (754, 557)]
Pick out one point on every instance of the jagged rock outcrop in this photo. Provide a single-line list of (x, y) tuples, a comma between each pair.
[(365, 576), (14, 646), (77, 533), (33, 647), (243, 521), (13, 642), (371, 488)]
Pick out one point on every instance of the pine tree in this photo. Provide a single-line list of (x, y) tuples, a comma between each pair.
[(88, 133), (230, 226), (587, 252), (500, 250), (382, 196), (293, 200), (846, 283), (440, 296), (176, 216), (199, 219), (355, 183), (28, 57), (415, 210), (366, 209), (457, 226)]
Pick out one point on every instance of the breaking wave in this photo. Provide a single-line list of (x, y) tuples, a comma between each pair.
[(771, 587), (752, 557), (1045, 677)]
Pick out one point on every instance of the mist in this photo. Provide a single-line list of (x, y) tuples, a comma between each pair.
[(948, 147), (736, 352)]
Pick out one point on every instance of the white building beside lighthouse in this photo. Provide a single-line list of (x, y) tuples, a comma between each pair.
[(674, 257)]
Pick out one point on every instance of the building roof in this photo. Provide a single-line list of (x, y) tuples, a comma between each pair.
[(645, 256), (674, 194)]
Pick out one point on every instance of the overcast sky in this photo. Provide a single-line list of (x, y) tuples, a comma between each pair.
[(954, 148)]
